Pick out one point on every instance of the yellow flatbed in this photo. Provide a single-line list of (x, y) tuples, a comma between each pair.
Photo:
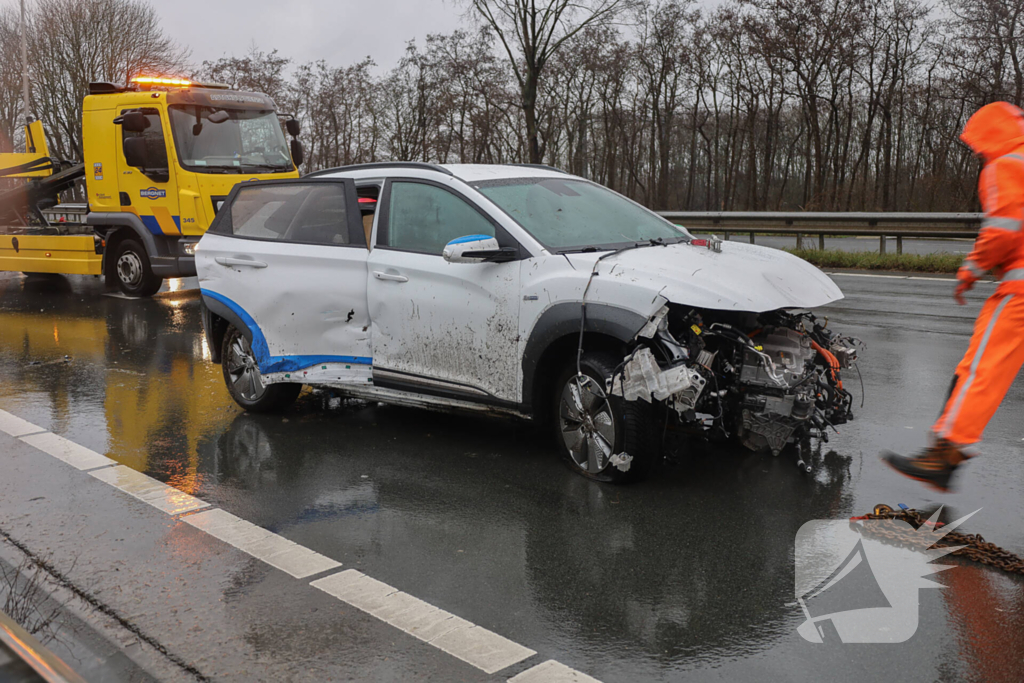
[(67, 254)]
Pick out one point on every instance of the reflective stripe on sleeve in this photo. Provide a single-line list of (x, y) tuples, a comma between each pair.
[(1015, 275), (1001, 223), (974, 268)]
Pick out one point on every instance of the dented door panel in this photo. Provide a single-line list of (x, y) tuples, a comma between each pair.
[(445, 326)]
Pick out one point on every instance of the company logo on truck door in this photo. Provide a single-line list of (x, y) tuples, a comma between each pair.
[(152, 193)]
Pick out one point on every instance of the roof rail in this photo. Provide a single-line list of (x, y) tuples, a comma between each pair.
[(540, 166), (381, 164)]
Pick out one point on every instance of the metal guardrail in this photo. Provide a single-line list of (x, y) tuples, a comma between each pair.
[(840, 224), (23, 658)]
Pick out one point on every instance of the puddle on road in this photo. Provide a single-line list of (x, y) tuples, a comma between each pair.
[(686, 574)]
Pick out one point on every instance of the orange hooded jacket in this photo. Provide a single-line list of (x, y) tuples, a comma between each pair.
[(996, 132)]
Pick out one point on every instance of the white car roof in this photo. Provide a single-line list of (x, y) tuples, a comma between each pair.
[(468, 173), (474, 172)]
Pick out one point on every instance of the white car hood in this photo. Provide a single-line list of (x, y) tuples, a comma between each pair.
[(742, 277)]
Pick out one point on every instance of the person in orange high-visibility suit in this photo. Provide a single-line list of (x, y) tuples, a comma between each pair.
[(996, 133)]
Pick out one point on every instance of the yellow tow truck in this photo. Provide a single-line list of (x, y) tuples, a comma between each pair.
[(161, 155)]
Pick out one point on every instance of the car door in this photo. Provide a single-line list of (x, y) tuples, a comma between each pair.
[(442, 328), (288, 260)]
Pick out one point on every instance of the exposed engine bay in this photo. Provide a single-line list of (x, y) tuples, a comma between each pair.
[(769, 379)]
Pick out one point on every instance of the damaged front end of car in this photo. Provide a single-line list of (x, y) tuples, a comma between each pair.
[(768, 380)]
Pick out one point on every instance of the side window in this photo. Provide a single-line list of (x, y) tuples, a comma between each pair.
[(305, 213), (424, 218), (156, 147)]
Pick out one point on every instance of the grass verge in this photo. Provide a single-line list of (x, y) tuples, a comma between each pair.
[(866, 260)]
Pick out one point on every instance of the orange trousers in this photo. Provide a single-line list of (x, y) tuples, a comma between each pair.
[(986, 373)]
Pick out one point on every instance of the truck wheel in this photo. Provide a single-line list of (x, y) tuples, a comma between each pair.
[(592, 426), (131, 267), (243, 379)]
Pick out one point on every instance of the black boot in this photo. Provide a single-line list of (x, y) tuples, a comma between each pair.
[(934, 466)]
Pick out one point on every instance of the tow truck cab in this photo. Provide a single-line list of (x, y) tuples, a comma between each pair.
[(160, 155), (160, 162)]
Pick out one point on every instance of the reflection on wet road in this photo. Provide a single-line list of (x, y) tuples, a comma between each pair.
[(689, 573)]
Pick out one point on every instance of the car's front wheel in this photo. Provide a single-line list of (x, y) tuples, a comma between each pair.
[(599, 434), (244, 381)]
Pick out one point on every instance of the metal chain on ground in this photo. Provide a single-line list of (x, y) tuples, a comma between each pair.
[(975, 547)]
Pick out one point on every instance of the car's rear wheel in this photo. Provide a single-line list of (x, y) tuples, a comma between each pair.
[(594, 429), (244, 381)]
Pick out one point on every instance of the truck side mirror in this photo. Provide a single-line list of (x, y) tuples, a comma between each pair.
[(134, 121), (297, 153), (292, 126), (136, 152)]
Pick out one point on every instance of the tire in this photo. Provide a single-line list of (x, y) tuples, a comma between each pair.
[(132, 270), (624, 426), (243, 381)]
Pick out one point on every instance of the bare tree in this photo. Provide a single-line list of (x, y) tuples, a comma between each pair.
[(75, 42), (531, 32)]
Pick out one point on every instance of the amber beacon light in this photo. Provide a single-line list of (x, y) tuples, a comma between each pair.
[(160, 80)]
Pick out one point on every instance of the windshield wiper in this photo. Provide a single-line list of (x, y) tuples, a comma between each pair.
[(268, 167), (654, 242)]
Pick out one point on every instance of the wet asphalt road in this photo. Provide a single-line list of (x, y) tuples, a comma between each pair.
[(684, 576), (910, 245)]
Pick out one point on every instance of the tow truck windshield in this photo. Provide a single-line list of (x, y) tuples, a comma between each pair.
[(234, 141)]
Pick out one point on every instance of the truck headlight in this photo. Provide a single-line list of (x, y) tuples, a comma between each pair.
[(189, 248)]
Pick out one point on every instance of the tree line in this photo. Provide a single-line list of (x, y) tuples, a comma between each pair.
[(838, 105)]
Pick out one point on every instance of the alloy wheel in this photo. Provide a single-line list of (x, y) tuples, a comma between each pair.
[(244, 371), (587, 424)]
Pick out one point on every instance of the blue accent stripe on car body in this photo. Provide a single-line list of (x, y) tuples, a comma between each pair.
[(261, 351), (471, 238)]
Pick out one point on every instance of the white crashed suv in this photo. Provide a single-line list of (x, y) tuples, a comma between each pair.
[(519, 290)]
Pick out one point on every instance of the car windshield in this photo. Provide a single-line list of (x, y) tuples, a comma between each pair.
[(244, 140), (576, 215)]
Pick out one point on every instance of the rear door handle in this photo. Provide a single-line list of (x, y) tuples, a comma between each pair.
[(228, 261), (389, 276)]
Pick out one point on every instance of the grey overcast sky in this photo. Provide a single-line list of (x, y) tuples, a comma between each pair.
[(339, 31)]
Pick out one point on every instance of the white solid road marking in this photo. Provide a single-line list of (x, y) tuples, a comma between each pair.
[(484, 649), (473, 644), (150, 491), (277, 551), (552, 672), (70, 452)]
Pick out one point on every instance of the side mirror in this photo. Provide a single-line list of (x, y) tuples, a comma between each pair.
[(134, 121), (292, 126), (297, 153), (136, 152), (477, 249)]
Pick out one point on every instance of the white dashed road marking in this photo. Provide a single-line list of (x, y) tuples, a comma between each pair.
[(70, 452), (15, 426), (552, 672), (147, 489), (277, 551), (483, 649), (473, 644)]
